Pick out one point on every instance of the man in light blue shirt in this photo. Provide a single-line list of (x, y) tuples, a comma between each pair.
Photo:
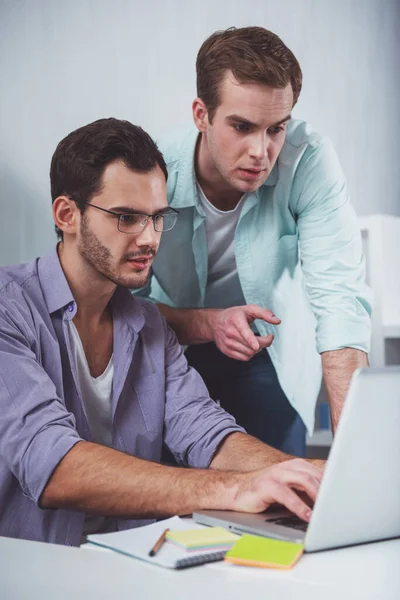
[(265, 229)]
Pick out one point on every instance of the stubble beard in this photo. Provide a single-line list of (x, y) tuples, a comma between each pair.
[(100, 259)]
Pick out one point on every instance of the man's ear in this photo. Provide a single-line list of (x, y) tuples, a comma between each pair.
[(200, 115), (65, 214)]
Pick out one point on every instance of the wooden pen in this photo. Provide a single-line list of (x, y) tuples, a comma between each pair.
[(158, 543)]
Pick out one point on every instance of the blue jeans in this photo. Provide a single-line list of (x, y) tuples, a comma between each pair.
[(250, 391)]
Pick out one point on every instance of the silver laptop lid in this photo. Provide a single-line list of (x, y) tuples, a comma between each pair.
[(359, 498)]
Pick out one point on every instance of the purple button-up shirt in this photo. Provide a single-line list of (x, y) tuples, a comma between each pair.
[(156, 397)]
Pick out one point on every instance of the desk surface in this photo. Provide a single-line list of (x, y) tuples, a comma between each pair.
[(41, 571)]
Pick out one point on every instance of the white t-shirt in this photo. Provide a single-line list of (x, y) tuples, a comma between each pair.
[(96, 393), (223, 285)]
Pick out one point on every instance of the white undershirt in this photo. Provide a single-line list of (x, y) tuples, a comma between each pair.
[(96, 393), (223, 284)]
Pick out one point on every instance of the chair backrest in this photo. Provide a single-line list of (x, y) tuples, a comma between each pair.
[(381, 245)]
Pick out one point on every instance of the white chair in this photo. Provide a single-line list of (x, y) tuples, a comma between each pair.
[(381, 246)]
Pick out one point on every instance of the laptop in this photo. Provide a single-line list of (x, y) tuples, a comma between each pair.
[(359, 497)]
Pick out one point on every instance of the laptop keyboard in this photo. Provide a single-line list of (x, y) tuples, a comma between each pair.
[(292, 522)]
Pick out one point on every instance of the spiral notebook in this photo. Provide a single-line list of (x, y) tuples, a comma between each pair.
[(137, 543)]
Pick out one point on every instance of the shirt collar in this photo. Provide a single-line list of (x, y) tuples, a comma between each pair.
[(56, 291), (186, 190), (58, 295), (127, 308)]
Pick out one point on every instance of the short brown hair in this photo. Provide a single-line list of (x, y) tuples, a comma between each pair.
[(80, 159), (253, 54)]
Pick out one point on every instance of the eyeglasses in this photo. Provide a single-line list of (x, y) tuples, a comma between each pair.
[(135, 222)]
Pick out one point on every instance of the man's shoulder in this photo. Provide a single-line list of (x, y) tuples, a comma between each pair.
[(301, 134), (178, 146), (178, 151), (19, 293), (14, 277), (305, 149)]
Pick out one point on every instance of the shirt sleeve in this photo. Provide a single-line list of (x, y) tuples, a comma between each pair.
[(36, 430), (194, 424), (331, 252)]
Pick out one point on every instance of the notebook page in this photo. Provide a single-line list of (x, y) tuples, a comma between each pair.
[(138, 542)]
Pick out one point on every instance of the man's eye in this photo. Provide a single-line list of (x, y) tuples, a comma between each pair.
[(241, 127), (275, 130), (128, 218)]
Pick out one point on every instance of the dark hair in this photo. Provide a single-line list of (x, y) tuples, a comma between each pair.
[(253, 54), (80, 158)]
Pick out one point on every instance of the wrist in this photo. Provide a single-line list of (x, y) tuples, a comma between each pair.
[(209, 323), (226, 491)]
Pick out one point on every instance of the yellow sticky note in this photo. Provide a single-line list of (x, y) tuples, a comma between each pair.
[(211, 537), (256, 551)]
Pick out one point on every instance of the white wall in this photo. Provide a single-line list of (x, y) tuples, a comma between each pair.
[(66, 63)]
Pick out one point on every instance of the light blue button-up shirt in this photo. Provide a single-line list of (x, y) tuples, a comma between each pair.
[(298, 252)]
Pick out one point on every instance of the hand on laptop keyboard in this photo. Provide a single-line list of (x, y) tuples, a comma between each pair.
[(279, 483)]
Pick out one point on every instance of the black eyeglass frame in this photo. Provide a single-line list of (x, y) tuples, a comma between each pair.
[(169, 211)]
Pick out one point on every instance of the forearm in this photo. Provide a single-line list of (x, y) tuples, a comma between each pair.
[(338, 367), (191, 325), (242, 452), (99, 480)]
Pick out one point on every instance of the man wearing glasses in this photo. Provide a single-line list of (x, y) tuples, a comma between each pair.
[(93, 381)]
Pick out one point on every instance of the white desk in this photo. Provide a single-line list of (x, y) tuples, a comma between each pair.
[(41, 571)]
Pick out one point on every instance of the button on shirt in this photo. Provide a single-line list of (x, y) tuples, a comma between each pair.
[(155, 396), (298, 252)]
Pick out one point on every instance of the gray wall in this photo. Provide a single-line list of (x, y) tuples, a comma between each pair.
[(66, 63)]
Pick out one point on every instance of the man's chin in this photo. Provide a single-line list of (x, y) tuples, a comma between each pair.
[(246, 186), (133, 282)]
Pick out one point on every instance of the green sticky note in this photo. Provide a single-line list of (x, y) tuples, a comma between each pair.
[(256, 551)]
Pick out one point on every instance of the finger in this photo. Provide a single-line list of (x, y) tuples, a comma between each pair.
[(238, 355), (235, 346), (288, 498), (238, 332), (265, 341), (246, 334), (292, 476), (302, 481), (257, 312)]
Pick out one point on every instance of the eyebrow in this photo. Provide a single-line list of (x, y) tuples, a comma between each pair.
[(126, 210), (239, 119)]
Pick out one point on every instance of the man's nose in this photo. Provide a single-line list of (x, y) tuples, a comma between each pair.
[(259, 146), (148, 236)]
